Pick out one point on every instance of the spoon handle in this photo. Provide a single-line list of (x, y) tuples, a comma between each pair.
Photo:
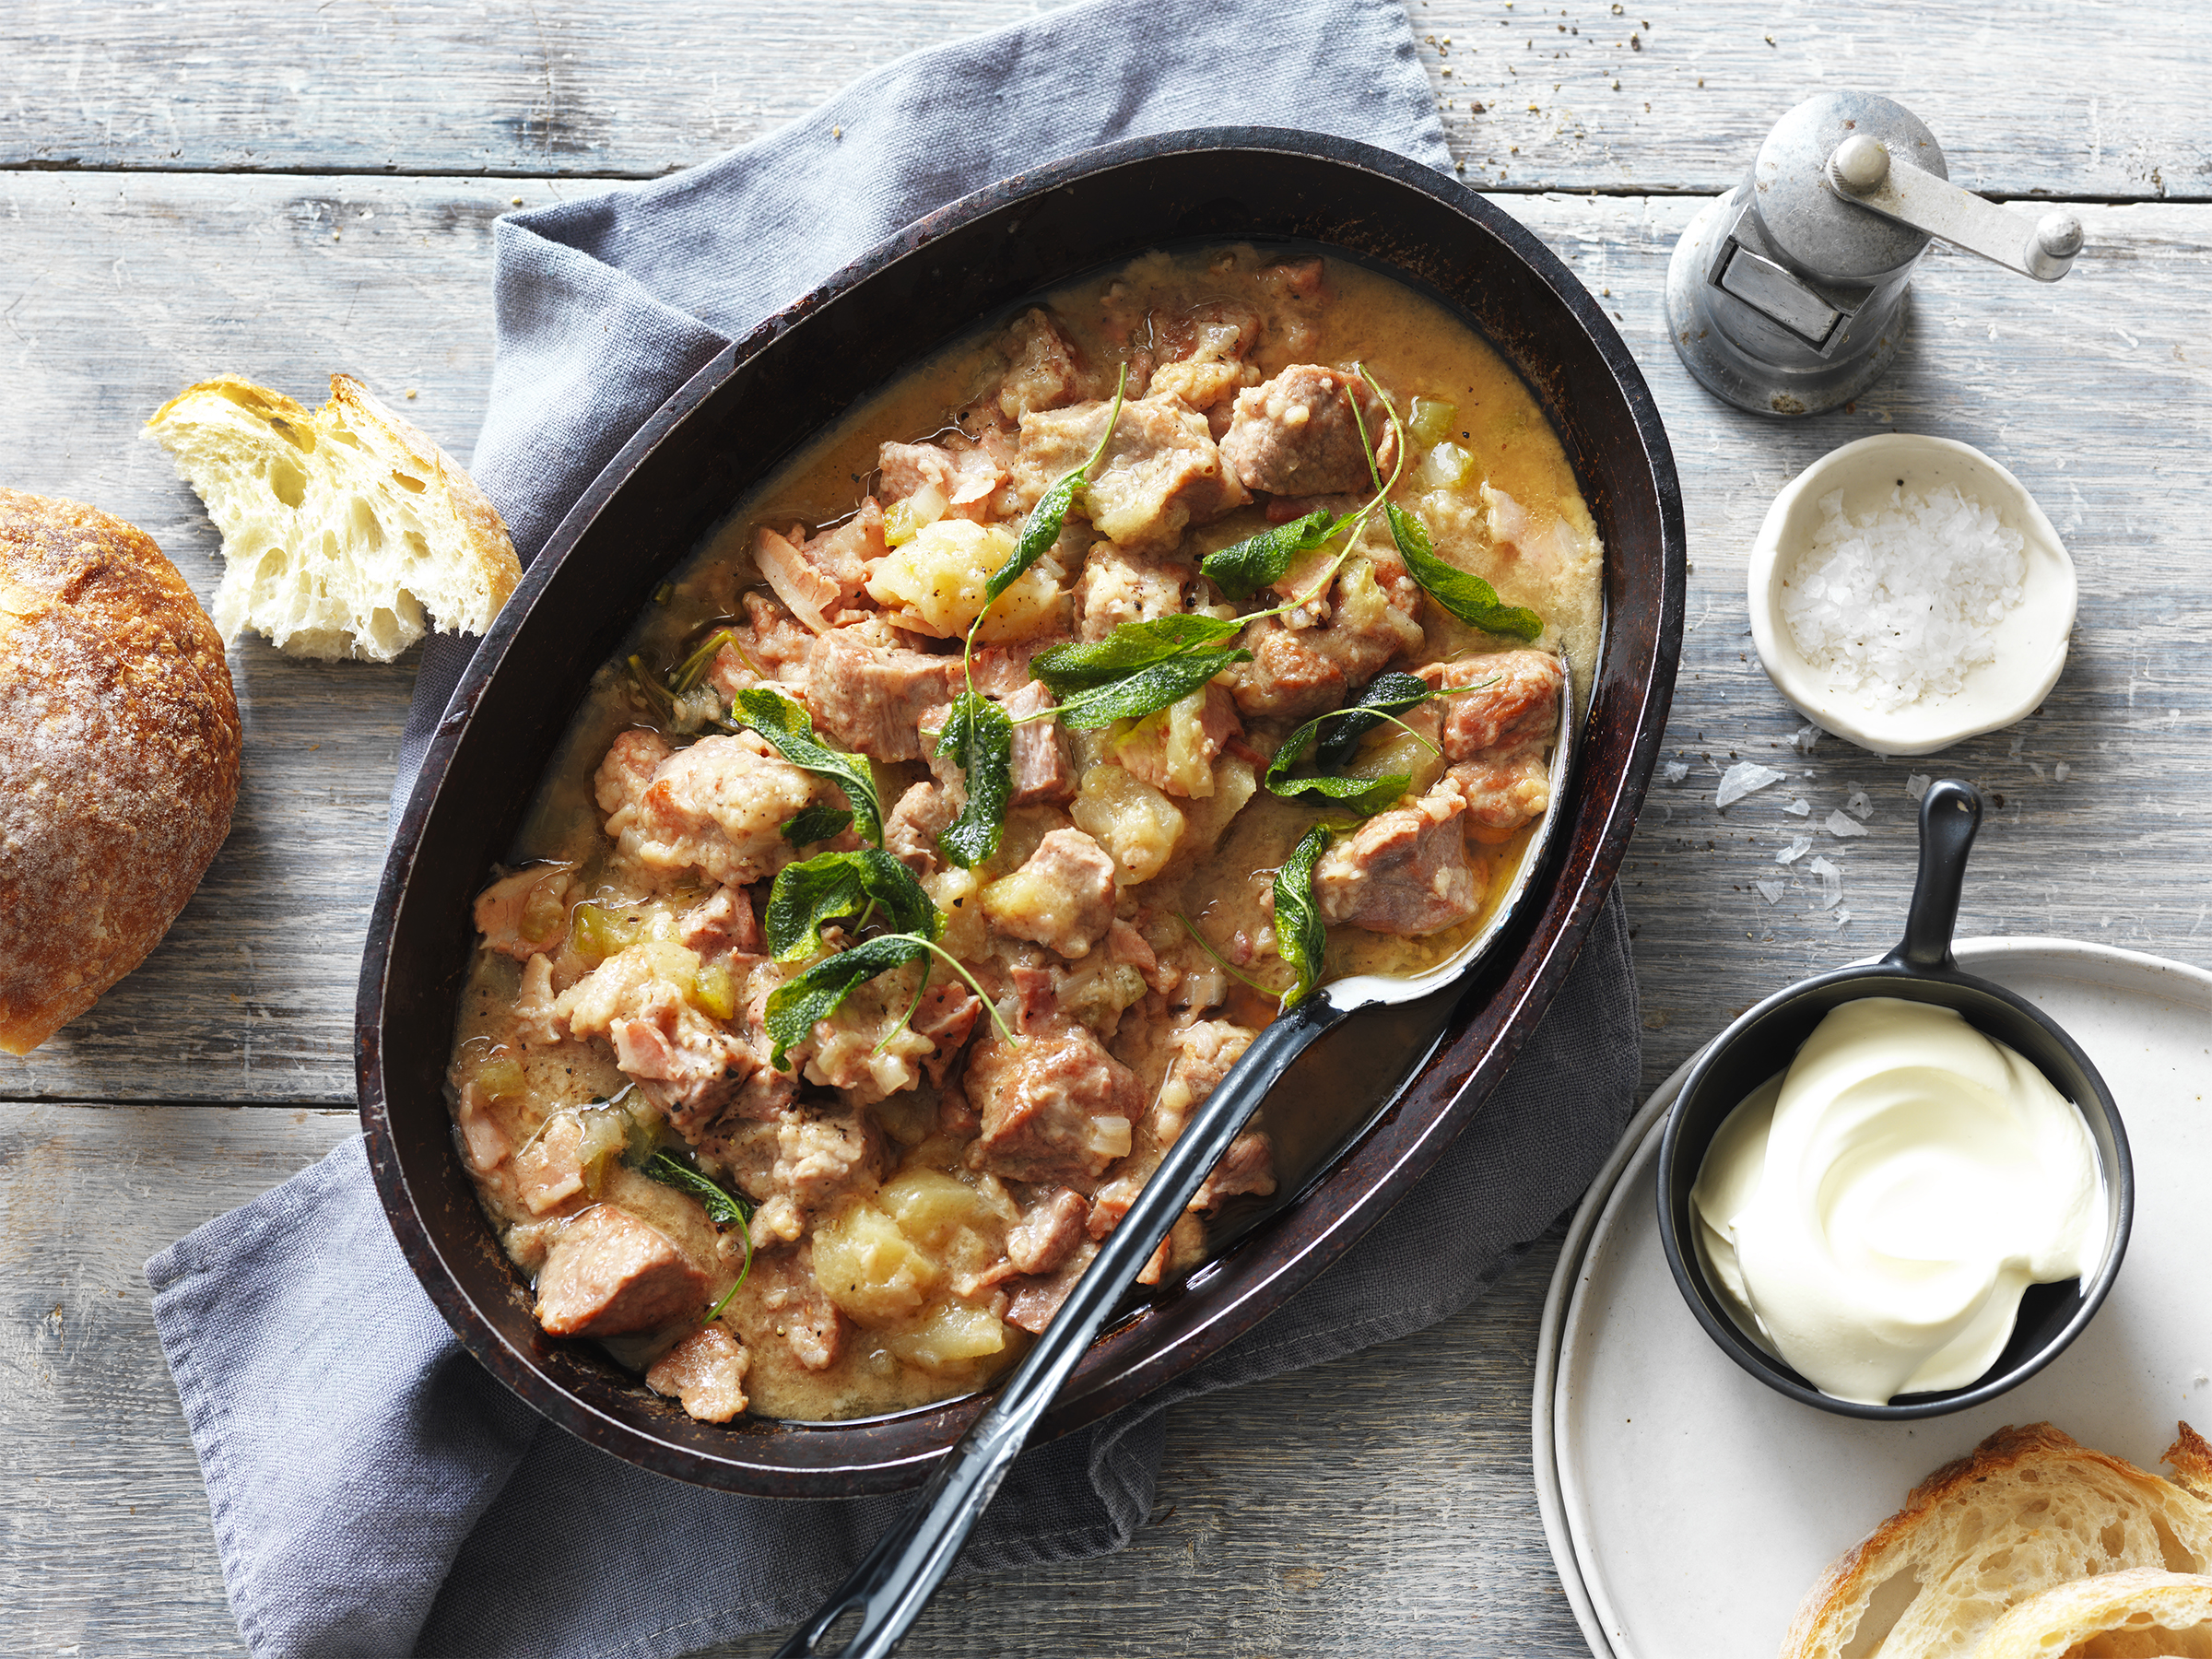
[(1949, 815), (894, 1584)]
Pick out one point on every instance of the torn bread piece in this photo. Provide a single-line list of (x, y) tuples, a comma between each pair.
[(2027, 1508), (2143, 1613), (347, 533)]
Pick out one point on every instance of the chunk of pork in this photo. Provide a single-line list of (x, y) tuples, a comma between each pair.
[(1160, 475), (1403, 871), (1517, 702), (1296, 435), (609, 1274), (706, 1372), (1057, 1107), (1062, 897), (1501, 789), (717, 807), (871, 698)]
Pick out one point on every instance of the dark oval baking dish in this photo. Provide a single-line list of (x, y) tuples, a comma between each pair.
[(726, 430)]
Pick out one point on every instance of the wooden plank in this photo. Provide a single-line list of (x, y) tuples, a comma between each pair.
[(2092, 390), (122, 291), (2024, 98), (1376, 1506)]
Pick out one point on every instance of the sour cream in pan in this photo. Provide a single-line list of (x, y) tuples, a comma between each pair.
[(1876, 1212)]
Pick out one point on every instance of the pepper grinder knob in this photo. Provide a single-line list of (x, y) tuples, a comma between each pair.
[(1790, 295)]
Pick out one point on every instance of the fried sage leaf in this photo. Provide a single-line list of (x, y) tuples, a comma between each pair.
[(1073, 667), (1365, 796), (797, 1005), (1042, 528), (841, 887), (790, 731), (723, 1208), (1244, 567), (978, 738), (1468, 597), (1147, 691), (1391, 693), (1300, 936), (815, 822)]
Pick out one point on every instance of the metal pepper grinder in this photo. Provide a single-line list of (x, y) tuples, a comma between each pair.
[(1790, 295)]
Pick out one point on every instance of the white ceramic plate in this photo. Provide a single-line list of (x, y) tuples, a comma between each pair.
[(2030, 641), (1688, 1508)]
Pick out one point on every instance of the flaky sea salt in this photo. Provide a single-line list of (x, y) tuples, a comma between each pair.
[(1838, 824), (1860, 806), (1674, 772), (1902, 604), (1798, 808), (1916, 784), (1831, 882), (1741, 779), (1805, 736), (1799, 846), (2062, 772), (1771, 891)]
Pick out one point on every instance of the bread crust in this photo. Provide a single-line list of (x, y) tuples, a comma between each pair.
[(1828, 1618), (118, 756)]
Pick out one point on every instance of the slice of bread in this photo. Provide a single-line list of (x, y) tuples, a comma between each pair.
[(345, 532), (2144, 1612), (2027, 1510)]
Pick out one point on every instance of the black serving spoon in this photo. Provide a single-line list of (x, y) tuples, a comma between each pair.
[(894, 1584), (1920, 969)]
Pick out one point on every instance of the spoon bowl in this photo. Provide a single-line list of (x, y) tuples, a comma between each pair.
[(1921, 969)]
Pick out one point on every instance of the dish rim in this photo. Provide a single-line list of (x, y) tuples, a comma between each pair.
[(1903, 732), (1408, 1136)]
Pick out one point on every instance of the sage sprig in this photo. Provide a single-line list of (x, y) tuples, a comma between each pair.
[(815, 822), (1301, 938), (979, 738), (1243, 567), (1465, 595), (1066, 669), (789, 730), (844, 887), (1147, 691), (1391, 693)]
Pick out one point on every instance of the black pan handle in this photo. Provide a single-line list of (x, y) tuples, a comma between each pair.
[(1949, 815), (894, 1584)]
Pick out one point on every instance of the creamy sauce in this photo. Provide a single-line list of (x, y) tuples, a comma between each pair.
[(1876, 1212), (1515, 518)]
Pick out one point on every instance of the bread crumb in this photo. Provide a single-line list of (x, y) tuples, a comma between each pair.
[(410, 391), (515, 200)]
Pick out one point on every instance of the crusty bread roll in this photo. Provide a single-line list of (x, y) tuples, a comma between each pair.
[(2027, 1510), (2143, 1613), (118, 757), (345, 532)]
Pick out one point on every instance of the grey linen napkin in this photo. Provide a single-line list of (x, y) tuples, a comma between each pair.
[(372, 1490)]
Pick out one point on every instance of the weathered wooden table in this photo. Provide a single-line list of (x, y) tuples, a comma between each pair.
[(281, 191)]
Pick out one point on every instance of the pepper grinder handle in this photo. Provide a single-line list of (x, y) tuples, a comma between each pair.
[(1862, 171)]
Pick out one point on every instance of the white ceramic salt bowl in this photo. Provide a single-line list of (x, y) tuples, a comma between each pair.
[(2030, 641)]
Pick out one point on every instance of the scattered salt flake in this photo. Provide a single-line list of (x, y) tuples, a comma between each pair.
[(1799, 807), (1831, 882), (2036, 767), (1917, 785), (1859, 805), (1805, 738), (1841, 917), (1674, 772), (2018, 742), (1799, 846), (2062, 772), (1741, 779), (1771, 891), (1837, 824)]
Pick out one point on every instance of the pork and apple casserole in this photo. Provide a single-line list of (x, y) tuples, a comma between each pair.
[(949, 827)]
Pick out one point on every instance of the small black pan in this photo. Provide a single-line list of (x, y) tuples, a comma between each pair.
[(1920, 969)]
